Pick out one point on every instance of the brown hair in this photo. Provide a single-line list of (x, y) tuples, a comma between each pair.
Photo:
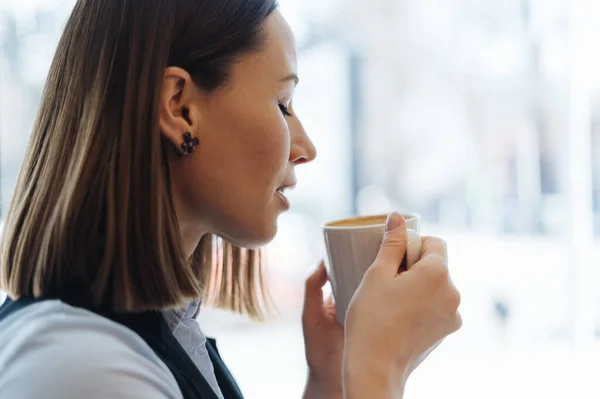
[(92, 218)]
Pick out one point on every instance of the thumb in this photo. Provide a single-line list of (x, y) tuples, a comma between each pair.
[(313, 293), (393, 248)]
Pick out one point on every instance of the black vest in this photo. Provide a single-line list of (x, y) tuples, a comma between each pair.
[(153, 329)]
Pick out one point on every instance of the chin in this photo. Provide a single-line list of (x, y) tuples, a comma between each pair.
[(255, 237), (261, 240)]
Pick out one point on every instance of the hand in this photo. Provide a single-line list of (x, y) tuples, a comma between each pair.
[(323, 340), (395, 320)]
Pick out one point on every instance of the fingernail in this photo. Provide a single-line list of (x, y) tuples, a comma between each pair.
[(394, 221)]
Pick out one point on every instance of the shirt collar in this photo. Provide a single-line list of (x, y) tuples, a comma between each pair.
[(174, 317)]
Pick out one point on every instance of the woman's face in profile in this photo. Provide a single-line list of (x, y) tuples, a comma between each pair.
[(250, 142)]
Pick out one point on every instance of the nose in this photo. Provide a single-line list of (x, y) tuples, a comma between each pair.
[(302, 149)]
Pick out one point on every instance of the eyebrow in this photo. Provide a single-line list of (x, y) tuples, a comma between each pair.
[(293, 77)]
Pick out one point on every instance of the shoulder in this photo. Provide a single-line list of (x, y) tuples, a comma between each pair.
[(53, 350)]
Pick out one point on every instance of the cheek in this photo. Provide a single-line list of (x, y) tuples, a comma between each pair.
[(264, 167), (244, 166), (271, 149), (250, 140), (247, 157), (258, 143)]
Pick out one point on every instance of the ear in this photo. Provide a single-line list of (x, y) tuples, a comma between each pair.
[(178, 109)]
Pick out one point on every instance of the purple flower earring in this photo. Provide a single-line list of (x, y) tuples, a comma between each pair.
[(189, 143)]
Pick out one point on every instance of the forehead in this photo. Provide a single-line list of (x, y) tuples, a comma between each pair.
[(279, 40), (274, 60)]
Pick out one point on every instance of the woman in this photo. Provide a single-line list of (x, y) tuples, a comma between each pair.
[(163, 124)]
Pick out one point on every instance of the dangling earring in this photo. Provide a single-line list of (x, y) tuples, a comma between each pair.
[(189, 143)]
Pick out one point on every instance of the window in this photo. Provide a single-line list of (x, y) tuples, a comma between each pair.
[(480, 116)]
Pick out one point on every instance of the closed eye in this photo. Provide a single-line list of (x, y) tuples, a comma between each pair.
[(285, 111)]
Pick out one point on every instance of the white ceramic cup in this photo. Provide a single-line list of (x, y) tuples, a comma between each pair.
[(352, 245)]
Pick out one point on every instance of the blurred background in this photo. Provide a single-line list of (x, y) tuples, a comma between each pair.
[(483, 116)]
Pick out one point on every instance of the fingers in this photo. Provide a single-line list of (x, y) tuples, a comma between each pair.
[(434, 246), (313, 292), (433, 268), (329, 307), (329, 301), (434, 259), (317, 279), (393, 248)]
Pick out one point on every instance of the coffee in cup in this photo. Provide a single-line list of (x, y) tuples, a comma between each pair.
[(352, 245)]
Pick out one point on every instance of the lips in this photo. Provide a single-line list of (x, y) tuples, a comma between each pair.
[(286, 186), (283, 189)]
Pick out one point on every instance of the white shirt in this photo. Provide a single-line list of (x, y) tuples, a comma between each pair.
[(187, 331), (50, 350)]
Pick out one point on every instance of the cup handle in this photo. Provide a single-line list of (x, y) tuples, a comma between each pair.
[(413, 250)]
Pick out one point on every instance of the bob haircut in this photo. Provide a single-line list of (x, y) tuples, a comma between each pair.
[(92, 220)]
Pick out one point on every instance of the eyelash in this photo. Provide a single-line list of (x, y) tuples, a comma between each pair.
[(284, 110)]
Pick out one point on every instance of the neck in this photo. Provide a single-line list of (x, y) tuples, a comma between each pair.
[(191, 234), (191, 230)]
